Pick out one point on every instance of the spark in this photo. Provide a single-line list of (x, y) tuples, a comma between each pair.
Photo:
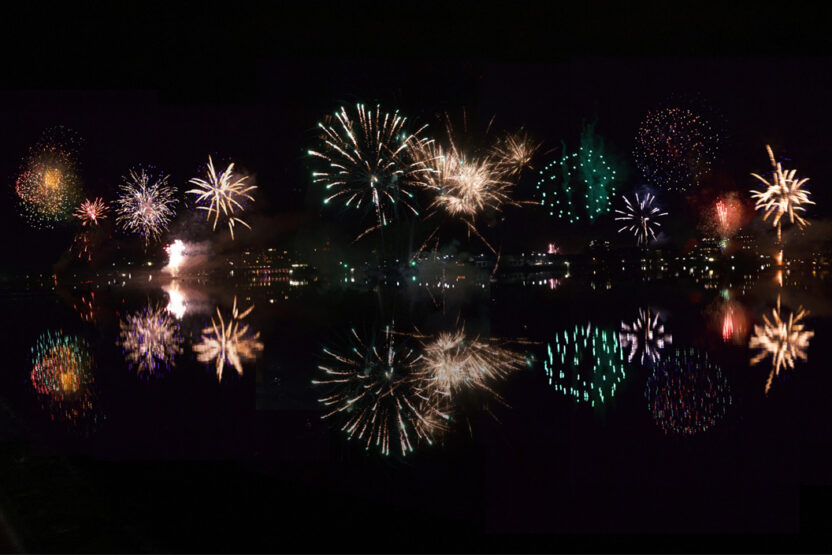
[(783, 195), (145, 205), (647, 332), (229, 342), (783, 339), (150, 340), (91, 211), (225, 193), (641, 216), (369, 161), (687, 393), (378, 396)]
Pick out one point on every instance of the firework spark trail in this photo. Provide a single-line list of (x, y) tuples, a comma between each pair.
[(91, 211), (369, 160), (378, 397), (783, 340), (48, 185), (642, 217), (229, 342), (783, 195), (646, 332), (687, 393), (145, 205), (224, 193), (150, 339)]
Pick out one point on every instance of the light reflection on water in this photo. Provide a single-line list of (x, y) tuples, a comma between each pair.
[(584, 345)]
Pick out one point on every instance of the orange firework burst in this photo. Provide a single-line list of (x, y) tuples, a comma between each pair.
[(48, 185)]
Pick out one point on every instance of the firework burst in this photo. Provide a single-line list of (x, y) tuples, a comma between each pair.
[(784, 195), (514, 152), (452, 363), (225, 193), (783, 339), (91, 211), (687, 393), (586, 175), (369, 161), (150, 339), (647, 332), (675, 147), (641, 217), (229, 341), (377, 395), (48, 185), (145, 205)]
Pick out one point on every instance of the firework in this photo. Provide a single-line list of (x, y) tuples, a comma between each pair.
[(225, 193), (782, 196), (586, 175), (378, 396), (91, 211), (514, 153), (587, 364), (783, 339), (675, 147), (641, 217), (48, 185), (150, 339), (728, 212), (647, 332), (145, 205), (176, 255), (687, 393), (229, 342), (369, 161), (466, 187), (451, 363)]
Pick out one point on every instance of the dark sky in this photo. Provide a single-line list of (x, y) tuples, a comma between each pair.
[(168, 86)]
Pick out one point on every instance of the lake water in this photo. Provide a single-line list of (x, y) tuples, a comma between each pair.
[(573, 440)]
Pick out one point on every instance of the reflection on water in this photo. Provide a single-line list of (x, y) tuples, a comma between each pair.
[(229, 342), (687, 393), (378, 395), (62, 376), (452, 363), (782, 339), (646, 332), (587, 364), (150, 339), (177, 304)]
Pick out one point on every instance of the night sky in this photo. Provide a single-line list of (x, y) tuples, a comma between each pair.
[(170, 86)]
